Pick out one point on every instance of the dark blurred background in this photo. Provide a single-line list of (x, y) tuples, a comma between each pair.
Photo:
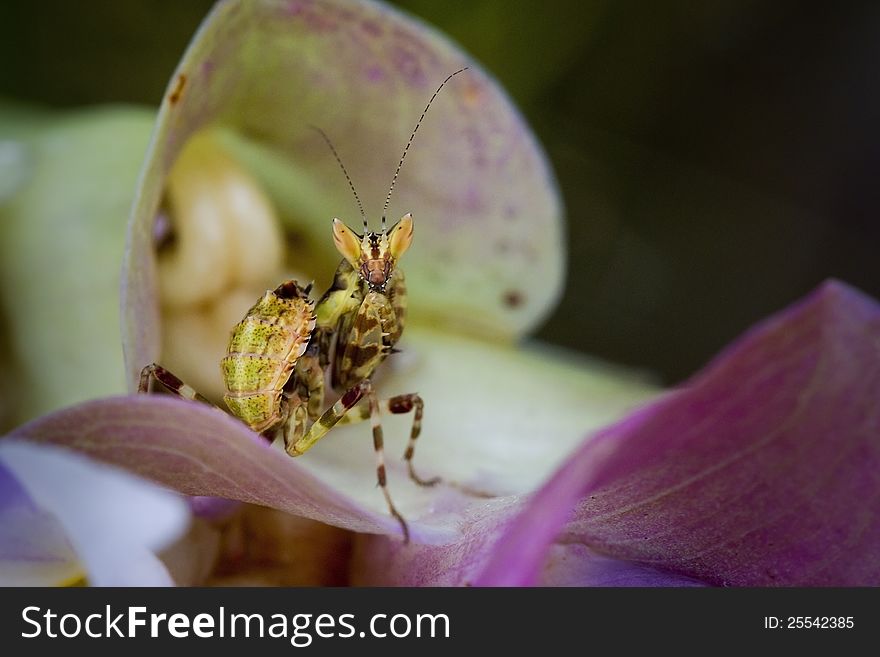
[(718, 160)]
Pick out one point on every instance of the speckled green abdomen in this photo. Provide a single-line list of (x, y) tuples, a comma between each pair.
[(262, 352)]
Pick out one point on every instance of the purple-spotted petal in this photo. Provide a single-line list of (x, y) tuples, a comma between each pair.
[(484, 200), (762, 470)]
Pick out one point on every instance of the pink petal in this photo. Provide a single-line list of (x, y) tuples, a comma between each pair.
[(198, 450), (578, 565), (378, 561), (762, 470)]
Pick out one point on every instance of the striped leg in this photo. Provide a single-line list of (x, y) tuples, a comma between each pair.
[(333, 416), (174, 385), (397, 405), (404, 404)]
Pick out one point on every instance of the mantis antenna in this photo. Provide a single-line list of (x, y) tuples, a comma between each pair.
[(347, 177), (415, 130)]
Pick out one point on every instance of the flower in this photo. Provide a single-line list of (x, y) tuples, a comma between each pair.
[(727, 480), (760, 471)]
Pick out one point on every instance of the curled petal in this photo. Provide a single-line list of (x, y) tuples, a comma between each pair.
[(487, 213), (198, 451), (762, 470)]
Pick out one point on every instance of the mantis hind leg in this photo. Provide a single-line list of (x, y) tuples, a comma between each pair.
[(333, 416), (397, 405), (154, 372)]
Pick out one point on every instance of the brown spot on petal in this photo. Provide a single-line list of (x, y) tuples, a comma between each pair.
[(177, 92), (164, 236), (473, 95), (513, 298)]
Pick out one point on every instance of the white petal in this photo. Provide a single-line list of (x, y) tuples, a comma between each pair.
[(34, 550), (114, 521)]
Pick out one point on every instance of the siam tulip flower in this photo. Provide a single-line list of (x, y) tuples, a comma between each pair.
[(586, 475)]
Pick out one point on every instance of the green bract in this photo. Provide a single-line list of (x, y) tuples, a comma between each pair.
[(68, 183), (488, 254)]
